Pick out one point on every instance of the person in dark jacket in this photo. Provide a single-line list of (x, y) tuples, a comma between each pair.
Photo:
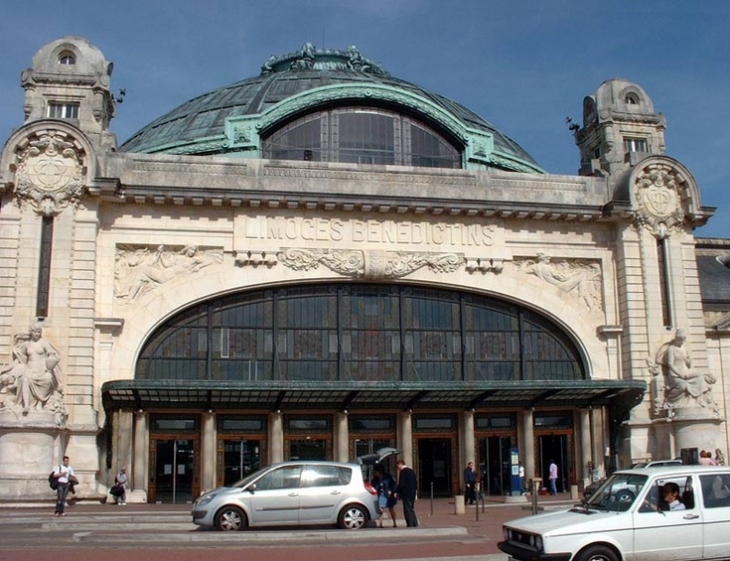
[(470, 484), (406, 492)]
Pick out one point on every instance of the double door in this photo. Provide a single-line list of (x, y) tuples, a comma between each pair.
[(174, 473), (494, 464), (238, 458)]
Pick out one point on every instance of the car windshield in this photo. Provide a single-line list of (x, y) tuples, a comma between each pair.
[(618, 492)]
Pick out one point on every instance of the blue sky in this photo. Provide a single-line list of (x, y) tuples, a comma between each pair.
[(523, 65)]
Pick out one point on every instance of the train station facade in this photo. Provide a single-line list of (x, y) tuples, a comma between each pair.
[(323, 260)]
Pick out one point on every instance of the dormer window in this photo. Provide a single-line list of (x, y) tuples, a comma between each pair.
[(66, 58), (635, 145), (631, 99), (63, 110)]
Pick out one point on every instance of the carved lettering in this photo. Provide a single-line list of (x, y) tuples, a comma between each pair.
[(372, 232)]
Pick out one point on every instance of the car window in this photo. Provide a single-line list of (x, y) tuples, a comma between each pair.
[(285, 477), (669, 493), (715, 490), (325, 476), (618, 492)]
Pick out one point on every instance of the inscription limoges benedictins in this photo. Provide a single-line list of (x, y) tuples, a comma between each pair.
[(367, 231)]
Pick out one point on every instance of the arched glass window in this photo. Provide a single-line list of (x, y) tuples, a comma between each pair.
[(359, 332), (361, 135), (67, 58)]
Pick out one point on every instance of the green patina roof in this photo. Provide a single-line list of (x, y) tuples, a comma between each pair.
[(232, 118)]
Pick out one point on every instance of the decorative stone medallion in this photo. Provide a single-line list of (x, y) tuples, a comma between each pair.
[(658, 190), (49, 175)]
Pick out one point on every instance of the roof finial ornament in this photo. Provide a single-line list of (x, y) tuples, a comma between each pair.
[(356, 61), (305, 60)]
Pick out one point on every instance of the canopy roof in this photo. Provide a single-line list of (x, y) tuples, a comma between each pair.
[(352, 396)]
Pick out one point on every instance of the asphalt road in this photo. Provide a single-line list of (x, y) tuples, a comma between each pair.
[(165, 533)]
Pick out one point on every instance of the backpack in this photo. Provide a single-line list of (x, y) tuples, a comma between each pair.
[(53, 481)]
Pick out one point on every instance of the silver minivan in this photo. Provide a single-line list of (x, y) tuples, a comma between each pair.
[(294, 493)]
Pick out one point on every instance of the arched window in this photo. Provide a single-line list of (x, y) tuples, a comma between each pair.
[(362, 135), (66, 58), (631, 99), (359, 332)]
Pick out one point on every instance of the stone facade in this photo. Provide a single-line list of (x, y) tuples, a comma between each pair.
[(134, 238)]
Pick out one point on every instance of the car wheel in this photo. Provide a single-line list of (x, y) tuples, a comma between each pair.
[(352, 517), (597, 553), (230, 519)]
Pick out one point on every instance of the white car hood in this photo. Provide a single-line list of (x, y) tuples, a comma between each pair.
[(573, 521)]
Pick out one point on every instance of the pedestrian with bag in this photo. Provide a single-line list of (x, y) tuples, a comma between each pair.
[(119, 491), (64, 475), (385, 485)]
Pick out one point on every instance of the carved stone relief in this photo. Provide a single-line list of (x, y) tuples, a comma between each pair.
[(30, 385), (676, 385), (49, 174), (578, 278), (141, 269), (659, 197), (371, 264)]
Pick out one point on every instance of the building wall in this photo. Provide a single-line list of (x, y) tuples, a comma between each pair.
[(138, 238)]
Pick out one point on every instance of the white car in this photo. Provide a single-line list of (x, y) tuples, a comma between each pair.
[(628, 519)]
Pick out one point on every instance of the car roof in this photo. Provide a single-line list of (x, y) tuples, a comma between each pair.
[(673, 469), (651, 463), (313, 463)]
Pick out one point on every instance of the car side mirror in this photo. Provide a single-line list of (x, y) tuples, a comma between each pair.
[(251, 488)]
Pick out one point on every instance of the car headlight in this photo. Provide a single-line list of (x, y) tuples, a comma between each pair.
[(538, 543), (202, 501), (507, 533)]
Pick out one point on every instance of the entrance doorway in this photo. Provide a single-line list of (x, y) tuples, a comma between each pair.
[(494, 464), (175, 478), (240, 458), (434, 467), (555, 447)]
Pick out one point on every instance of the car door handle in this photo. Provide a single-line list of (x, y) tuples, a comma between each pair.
[(336, 493), (691, 516), (293, 495)]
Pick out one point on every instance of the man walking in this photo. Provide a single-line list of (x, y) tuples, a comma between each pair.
[(406, 492), (470, 484), (64, 474), (553, 477)]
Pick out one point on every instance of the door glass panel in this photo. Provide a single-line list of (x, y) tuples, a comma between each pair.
[(434, 461), (241, 457), (494, 464), (554, 447), (365, 446), (174, 471)]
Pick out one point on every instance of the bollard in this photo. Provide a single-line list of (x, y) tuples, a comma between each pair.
[(573, 492), (535, 491), (459, 507)]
